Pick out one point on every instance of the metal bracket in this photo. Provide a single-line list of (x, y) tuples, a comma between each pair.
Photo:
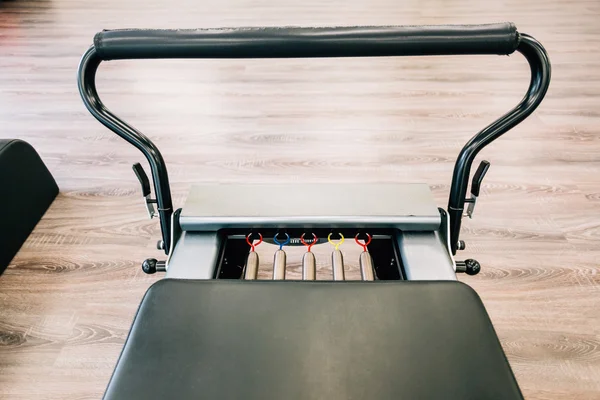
[(150, 206), (471, 206)]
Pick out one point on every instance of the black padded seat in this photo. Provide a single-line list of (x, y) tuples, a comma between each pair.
[(26, 191), (312, 340)]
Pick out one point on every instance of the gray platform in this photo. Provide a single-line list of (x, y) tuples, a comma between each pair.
[(401, 206)]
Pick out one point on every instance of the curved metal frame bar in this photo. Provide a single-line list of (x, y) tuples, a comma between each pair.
[(86, 81), (539, 63), (533, 51)]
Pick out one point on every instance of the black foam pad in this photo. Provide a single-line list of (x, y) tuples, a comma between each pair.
[(27, 189), (286, 42), (312, 340)]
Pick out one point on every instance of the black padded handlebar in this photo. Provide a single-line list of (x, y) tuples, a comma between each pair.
[(307, 42)]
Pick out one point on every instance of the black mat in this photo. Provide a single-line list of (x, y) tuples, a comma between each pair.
[(321, 340)]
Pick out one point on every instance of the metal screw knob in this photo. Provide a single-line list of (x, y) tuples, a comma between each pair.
[(150, 266), (470, 267)]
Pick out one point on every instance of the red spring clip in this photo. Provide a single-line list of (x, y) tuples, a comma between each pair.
[(250, 243), (364, 246), (315, 240)]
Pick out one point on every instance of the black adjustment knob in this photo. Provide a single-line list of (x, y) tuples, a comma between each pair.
[(470, 266), (149, 265)]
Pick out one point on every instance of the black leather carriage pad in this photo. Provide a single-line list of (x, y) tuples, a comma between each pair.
[(317, 340)]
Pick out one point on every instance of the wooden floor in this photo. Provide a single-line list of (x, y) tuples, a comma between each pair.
[(67, 301)]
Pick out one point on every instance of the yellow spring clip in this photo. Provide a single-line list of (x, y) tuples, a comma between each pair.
[(337, 260)]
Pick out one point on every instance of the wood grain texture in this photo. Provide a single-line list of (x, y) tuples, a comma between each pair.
[(67, 301)]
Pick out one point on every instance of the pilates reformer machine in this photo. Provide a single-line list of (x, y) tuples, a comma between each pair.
[(222, 326)]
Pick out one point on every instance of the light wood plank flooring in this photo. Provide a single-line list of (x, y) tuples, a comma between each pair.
[(67, 301)]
